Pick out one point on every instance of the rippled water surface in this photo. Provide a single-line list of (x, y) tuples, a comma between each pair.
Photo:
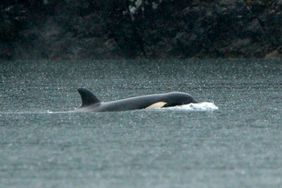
[(238, 145)]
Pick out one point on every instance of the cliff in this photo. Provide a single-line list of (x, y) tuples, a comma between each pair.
[(86, 29)]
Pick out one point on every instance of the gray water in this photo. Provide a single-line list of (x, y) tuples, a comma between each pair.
[(238, 145)]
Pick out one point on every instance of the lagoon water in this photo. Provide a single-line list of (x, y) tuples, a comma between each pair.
[(237, 145)]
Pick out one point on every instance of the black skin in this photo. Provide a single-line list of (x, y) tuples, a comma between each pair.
[(90, 102)]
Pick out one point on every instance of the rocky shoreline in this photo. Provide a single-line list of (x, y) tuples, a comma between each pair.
[(115, 29)]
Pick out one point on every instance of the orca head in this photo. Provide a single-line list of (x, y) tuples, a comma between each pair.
[(87, 97), (187, 99), (179, 98)]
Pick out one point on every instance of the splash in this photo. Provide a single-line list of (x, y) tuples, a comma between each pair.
[(203, 106)]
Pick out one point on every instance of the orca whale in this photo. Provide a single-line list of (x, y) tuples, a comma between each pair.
[(90, 103)]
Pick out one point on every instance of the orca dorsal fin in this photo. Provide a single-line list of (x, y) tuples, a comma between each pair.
[(87, 97)]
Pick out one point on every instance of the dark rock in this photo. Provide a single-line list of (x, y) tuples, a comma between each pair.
[(106, 29)]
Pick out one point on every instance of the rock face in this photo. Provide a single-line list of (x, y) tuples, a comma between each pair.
[(83, 29)]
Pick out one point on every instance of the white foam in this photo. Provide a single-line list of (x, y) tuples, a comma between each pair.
[(202, 106)]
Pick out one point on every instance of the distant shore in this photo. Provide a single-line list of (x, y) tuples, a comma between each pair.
[(138, 29)]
